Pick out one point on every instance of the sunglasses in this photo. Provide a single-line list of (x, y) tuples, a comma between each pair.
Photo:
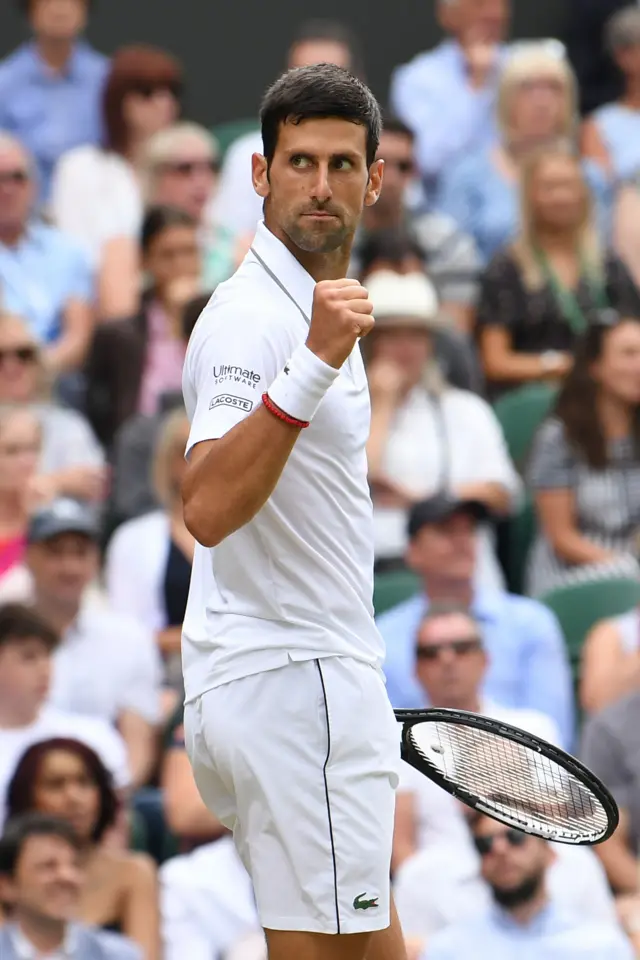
[(484, 845), (17, 177), (189, 167), (460, 647), (22, 354)]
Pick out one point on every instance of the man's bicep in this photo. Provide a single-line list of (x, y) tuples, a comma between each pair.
[(226, 378)]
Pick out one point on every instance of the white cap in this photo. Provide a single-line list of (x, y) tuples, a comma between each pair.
[(401, 297)]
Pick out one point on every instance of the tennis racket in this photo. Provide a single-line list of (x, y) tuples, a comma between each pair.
[(512, 776)]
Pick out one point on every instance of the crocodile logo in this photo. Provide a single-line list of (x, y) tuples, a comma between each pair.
[(361, 904)]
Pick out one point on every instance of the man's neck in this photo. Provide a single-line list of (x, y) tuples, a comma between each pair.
[(45, 935), (470, 704), (11, 234), (440, 590), (55, 53), (61, 618), (320, 266), (525, 913), (17, 716), (631, 97)]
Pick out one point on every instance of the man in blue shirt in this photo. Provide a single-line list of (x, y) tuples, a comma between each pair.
[(528, 665), (524, 922), (51, 87), (447, 95)]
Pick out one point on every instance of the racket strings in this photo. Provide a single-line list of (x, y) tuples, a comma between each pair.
[(511, 779)]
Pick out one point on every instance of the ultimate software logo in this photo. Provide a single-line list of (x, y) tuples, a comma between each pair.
[(228, 373)]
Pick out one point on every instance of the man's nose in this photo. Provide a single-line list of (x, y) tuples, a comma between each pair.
[(321, 186)]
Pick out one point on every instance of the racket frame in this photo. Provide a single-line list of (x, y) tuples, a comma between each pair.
[(464, 718)]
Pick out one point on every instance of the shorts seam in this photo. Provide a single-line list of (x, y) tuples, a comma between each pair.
[(326, 792)]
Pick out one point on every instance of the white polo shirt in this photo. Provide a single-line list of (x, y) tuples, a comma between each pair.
[(297, 581)]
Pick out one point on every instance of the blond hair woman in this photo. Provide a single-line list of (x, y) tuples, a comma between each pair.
[(148, 563), (542, 291), (536, 106)]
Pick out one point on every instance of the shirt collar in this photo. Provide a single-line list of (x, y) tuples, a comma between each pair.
[(485, 605), (543, 922), (291, 274), (73, 69), (25, 950)]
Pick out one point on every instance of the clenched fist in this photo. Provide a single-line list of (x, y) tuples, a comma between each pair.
[(341, 314)]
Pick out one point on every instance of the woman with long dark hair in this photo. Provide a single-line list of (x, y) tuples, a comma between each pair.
[(585, 463), (66, 779)]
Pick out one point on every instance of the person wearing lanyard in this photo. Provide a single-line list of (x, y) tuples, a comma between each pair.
[(540, 293)]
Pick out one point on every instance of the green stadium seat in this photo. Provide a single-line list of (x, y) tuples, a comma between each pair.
[(515, 538), (581, 606), (520, 413), (138, 833), (393, 587), (227, 133)]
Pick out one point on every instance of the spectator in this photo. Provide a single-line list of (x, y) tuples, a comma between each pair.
[(70, 457), (536, 107), (450, 255), (599, 79), (44, 278), (96, 194), (180, 169), (20, 489), (447, 95), (106, 665), (237, 207), (63, 778), (135, 441), (525, 919), (585, 464), (461, 449), (610, 134), (450, 663), (440, 887), (610, 749), (42, 879), (610, 661), (133, 362), (26, 647), (148, 564), (397, 251), (50, 88), (528, 665), (539, 294)]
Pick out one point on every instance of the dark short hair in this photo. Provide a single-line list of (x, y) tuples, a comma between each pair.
[(332, 31), (19, 830), (449, 608), (135, 69), (20, 792), (393, 245), (158, 219), (191, 313), (24, 6), (18, 623), (393, 124), (319, 92)]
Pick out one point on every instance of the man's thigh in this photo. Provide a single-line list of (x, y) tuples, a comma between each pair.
[(301, 763)]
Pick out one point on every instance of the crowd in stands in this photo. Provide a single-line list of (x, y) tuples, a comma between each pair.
[(503, 263)]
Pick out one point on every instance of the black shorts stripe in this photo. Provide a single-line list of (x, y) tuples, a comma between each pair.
[(326, 793)]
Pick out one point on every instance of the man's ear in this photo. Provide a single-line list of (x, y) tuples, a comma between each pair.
[(374, 186), (260, 175)]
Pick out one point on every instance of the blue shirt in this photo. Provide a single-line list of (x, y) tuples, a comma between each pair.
[(487, 206), (449, 118), (52, 112), (528, 665), (39, 276), (619, 127), (552, 935)]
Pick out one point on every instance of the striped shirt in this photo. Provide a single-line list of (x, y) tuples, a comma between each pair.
[(607, 505)]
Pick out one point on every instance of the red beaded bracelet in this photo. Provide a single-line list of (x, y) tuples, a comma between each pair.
[(281, 415)]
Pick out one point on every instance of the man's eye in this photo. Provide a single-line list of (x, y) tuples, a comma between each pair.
[(342, 163), (300, 162)]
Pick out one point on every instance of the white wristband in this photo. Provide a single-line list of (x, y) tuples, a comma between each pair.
[(300, 387)]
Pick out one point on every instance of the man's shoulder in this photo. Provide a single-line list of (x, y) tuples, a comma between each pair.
[(524, 718), (112, 946), (461, 939), (100, 619), (521, 609), (55, 244), (15, 67), (423, 64), (403, 614)]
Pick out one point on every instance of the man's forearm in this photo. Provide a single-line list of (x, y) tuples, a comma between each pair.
[(229, 482)]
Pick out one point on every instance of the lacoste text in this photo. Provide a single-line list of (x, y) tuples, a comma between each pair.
[(227, 400)]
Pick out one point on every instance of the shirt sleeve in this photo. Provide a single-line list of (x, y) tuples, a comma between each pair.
[(80, 277), (487, 456), (497, 302), (230, 363), (141, 691), (551, 463)]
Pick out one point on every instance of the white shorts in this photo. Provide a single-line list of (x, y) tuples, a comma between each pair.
[(301, 763)]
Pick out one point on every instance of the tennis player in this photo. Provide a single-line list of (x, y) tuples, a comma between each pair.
[(289, 729)]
